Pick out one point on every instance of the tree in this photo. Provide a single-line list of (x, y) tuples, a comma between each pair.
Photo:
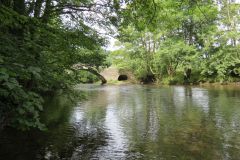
[(168, 33), (40, 41)]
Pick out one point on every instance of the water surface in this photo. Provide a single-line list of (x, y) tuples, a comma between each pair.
[(134, 122)]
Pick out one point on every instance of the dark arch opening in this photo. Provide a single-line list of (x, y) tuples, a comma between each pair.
[(122, 77)]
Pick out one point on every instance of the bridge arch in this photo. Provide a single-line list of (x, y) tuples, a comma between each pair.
[(90, 69)]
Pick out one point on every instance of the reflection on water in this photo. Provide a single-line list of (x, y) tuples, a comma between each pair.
[(134, 122)]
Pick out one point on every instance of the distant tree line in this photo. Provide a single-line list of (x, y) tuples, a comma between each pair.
[(180, 41)]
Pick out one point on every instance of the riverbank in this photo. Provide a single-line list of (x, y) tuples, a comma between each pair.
[(206, 84), (229, 85), (112, 74)]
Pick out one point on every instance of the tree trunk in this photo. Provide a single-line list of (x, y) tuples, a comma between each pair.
[(37, 8), (187, 74), (90, 69), (47, 11)]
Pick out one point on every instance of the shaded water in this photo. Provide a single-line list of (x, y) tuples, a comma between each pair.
[(134, 122)]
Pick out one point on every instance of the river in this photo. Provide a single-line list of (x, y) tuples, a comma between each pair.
[(134, 122)]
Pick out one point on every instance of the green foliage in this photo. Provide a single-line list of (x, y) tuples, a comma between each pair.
[(181, 41), (172, 55), (222, 65), (174, 80), (86, 77), (26, 104), (38, 47)]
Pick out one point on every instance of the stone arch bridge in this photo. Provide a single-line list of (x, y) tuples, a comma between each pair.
[(108, 74)]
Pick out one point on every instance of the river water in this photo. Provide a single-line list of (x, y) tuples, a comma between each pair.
[(134, 122)]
